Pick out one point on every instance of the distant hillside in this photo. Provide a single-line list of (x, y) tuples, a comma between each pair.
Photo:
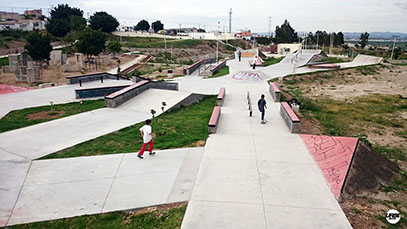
[(376, 35)]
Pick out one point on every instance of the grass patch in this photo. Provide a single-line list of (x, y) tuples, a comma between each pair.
[(272, 60), (334, 60), (367, 70), (21, 118), (160, 218), (221, 72), (149, 42), (181, 127), (4, 61)]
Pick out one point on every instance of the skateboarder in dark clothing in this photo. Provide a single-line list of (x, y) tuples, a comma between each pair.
[(262, 106), (239, 54), (254, 62)]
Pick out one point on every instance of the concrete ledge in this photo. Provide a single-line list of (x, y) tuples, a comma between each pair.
[(290, 118), (213, 121), (97, 91), (125, 94), (217, 67), (191, 68), (221, 96), (275, 92), (90, 77)]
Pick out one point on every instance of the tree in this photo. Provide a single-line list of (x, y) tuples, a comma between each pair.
[(341, 38), (285, 33), (59, 23), (57, 27), (142, 25), (38, 46), (263, 40), (104, 21), (397, 52), (91, 42), (114, 46), (157, 26), (76, 23), (63, 11), (364, 37)]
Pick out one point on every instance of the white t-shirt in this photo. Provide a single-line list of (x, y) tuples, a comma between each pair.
[(147, 133)]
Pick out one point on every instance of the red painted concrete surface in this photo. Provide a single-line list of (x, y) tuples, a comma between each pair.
[(333, 156), (6, 89)]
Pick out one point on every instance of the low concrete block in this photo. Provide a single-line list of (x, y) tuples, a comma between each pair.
[(274, 92), (289, 117), (214, 120), (221, 96)]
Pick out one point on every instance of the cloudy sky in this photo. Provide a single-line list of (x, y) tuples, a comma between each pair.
[(329, 15)]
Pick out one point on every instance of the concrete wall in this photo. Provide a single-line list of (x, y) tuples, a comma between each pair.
[(96, 92), (188, 101), (249, 53), (89, 77), (294, 127), (164, 85), (282, 48)]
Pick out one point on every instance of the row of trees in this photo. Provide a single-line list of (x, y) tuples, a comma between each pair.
[(143, 25), (286, 34), (64, 19), (68, 22)]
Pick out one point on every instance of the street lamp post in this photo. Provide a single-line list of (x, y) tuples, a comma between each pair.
[(394, 44)]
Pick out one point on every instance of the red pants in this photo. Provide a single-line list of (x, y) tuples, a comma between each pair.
[(150, 148)]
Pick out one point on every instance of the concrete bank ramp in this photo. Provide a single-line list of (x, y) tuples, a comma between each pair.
[(366, 59)]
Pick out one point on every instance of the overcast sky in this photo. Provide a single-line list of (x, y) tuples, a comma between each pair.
[(310, 15)]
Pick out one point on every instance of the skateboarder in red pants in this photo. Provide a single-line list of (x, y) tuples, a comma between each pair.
[(147, 135)]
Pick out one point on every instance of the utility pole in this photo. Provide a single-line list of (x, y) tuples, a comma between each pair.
[(230, 20), (317, 45), (332, 43), (394, 44), (270, 25), (217, 43)]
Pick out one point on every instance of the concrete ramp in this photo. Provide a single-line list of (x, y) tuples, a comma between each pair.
[(333, 156), (366, 59), (303, 57)]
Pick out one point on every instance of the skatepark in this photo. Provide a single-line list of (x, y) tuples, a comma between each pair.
[(247, 175)]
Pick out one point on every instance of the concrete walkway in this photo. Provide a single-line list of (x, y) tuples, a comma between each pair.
[(259, 176), (42, 97), (61, 188), (19, 147)]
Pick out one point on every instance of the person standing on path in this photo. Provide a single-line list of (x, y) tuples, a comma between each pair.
[(262, 106), (147, 135), (254, 62), (239, 54)]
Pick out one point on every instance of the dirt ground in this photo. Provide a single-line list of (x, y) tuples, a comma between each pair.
[(351, 83), (56, 74), (366, 210)]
